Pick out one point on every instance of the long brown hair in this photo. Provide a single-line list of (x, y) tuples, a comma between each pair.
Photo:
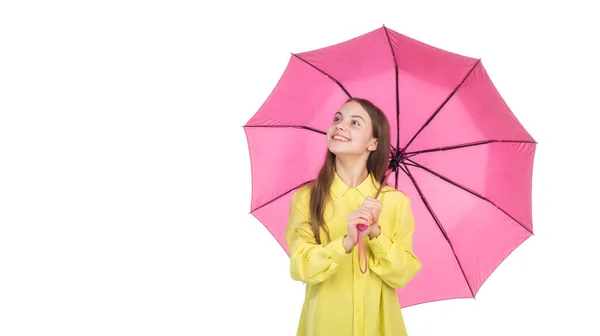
[(376, 164)]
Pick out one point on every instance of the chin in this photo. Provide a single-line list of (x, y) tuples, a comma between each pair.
[(335, 149)]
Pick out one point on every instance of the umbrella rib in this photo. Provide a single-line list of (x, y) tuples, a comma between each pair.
[(441, 149), (404, 169), (326, 74), (437, 221), (280, 196), (401, 167), (289, 126), (441, 106), (467, 190), (397, 92)]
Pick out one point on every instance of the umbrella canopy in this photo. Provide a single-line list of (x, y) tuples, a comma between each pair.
[(458, 151)]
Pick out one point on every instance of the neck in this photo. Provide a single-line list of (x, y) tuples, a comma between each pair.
[(351, 170)]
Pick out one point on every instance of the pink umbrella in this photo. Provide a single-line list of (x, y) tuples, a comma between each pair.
[(458, 152)]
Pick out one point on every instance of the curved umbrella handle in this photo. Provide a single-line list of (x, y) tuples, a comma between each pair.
[(363, 227)]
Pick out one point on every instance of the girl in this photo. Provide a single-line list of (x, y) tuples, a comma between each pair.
[(322, 233)]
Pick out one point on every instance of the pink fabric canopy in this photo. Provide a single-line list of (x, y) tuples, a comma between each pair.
[(459, 152)]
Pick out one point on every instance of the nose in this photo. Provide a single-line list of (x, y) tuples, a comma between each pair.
[(340, 126)]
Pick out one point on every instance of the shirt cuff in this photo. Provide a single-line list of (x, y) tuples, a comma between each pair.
[(380, 245), (336, 250)]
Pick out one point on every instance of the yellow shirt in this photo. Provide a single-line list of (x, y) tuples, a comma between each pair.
[(340, 300)]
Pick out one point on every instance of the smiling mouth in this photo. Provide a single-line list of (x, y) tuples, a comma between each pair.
[(340, 138)]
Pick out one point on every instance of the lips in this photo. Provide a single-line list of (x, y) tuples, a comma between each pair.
[(339, 137)]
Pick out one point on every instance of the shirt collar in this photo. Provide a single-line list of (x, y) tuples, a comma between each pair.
[(368, 187)]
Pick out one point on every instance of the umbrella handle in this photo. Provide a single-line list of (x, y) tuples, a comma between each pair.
[(363, 227), (361, 246)]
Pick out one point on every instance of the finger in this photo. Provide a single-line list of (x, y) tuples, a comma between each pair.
[(372, 216), (369, 203), (369, 215), (362, 217), (369, 206), (363, 213), (366, 219), (374, 207), (376, 212), (372, 201), (368, 210), (368, 200)]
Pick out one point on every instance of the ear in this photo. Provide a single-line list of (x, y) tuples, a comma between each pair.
[(373, 146)]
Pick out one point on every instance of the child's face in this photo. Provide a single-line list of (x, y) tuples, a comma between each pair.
[(351, 131)]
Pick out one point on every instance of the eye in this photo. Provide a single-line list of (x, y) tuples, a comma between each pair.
[(355, 123), (336, 118)]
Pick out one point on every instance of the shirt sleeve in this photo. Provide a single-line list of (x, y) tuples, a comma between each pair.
[(310, 262), (392, 256)]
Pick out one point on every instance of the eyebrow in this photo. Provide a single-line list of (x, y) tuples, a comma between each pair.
[(354, 115)]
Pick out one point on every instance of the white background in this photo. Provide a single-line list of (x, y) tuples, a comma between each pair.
[(125, 180)]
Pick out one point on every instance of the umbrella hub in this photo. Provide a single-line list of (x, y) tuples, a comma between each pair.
[(398, 156)]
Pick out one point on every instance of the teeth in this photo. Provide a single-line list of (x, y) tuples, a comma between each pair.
[(337, 137)]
